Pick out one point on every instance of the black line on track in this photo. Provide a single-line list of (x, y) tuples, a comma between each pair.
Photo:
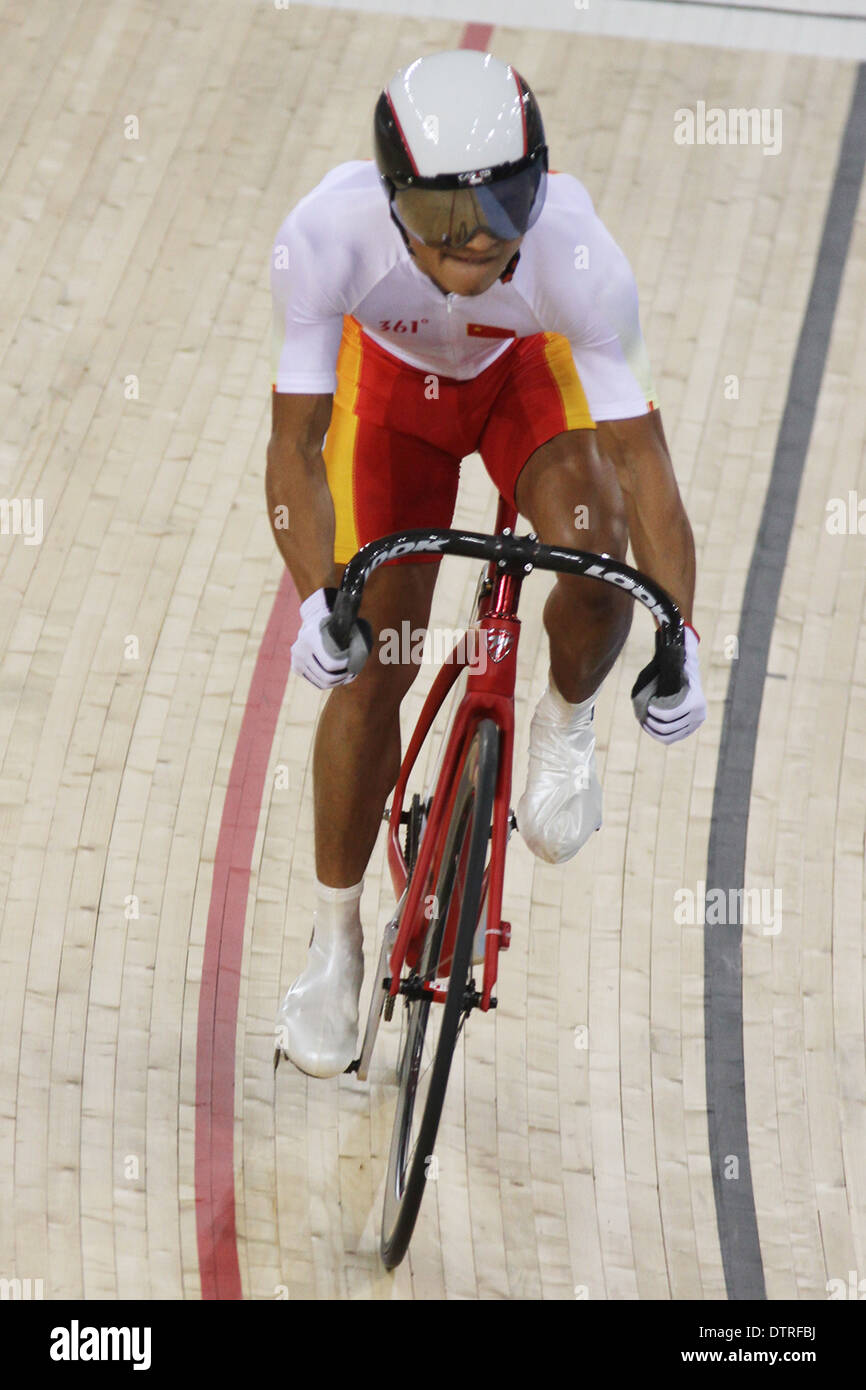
[(736, 8), (723, 960)]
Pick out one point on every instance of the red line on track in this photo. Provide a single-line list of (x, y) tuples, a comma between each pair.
[(476, 36), (223, 950)]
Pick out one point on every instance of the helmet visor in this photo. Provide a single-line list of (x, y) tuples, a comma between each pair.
[(505, 209)]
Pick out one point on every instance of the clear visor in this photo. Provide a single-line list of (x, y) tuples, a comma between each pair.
[(451, 216)]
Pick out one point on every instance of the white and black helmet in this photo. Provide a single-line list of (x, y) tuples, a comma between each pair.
[(460, 148)]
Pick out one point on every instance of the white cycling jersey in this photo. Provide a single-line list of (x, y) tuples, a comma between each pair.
[(338, 252)]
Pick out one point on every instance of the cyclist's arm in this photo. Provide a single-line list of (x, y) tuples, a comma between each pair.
[(300, 508), (597, 309), (659, 530)]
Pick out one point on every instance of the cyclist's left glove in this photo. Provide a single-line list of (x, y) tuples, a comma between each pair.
[(316, 655), (669, 718)]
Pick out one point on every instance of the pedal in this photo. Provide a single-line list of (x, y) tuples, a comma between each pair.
[(378, 1003), (472, 998)]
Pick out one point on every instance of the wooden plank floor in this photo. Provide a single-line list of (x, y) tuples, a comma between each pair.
[(134, 399)]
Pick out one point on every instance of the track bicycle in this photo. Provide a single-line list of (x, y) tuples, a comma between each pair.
[(446, 848)]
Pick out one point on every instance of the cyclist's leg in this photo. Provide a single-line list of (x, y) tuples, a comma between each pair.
[(539, 446), (381, 481), (357, 747), (356, 757), (393, 455), (392, 465), (570, 494), (587, 625)]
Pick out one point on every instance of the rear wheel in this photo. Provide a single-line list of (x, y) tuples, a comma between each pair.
[(432, 1029)]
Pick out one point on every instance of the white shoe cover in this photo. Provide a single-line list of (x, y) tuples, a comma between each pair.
[(561, 806), (317, 1022)]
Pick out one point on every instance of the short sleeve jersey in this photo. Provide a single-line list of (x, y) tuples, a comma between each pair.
[(338, 252)]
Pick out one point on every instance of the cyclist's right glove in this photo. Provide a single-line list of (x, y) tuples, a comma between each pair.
[(669, 718), (315, 654)]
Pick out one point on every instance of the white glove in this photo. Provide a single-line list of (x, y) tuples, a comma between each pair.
[(316, 656), (669, 718)]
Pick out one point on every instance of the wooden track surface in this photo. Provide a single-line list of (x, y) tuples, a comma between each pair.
[(134, 385)]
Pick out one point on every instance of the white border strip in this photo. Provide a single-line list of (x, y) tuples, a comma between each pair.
[(690, 21)]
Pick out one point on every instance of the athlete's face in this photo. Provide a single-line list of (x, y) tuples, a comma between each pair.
[(472, 269)]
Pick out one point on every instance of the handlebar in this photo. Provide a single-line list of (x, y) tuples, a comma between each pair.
[(517, 554)]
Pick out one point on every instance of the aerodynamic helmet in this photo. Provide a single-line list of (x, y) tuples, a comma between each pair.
[(460, 148)]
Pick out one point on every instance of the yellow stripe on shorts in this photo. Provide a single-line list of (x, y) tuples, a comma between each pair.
[(339, 450), (557, 352)]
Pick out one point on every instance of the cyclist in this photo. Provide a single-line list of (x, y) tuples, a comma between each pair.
[(452, 297)]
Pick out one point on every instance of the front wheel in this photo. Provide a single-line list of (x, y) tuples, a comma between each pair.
[(433, 1028)]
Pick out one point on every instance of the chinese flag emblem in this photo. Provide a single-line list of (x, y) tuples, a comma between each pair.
[(489, 330)]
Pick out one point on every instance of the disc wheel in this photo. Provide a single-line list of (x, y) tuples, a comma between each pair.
[(432, 1028)]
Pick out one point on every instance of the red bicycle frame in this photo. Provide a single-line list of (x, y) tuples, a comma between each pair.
[(489, 694)]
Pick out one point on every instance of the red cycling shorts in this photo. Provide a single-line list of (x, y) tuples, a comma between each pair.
[(398, 433)]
